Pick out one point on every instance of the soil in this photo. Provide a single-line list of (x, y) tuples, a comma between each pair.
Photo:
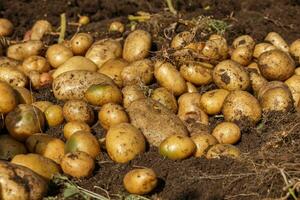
[(270, 149)]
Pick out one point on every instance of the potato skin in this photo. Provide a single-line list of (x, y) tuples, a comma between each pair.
[(163, 96), (261, 48), (203, 142), (78, 110), (223, 150), (6, 27), (196, 73), (80, 43), (181, 39), (227, 133), (8, 100), (9, 147), (132, 93), (54, 115), (35, 63), (244, 41), (295, 50), (275, 39), (190, 87), (57, 54), (42, 105), (212, 101), (73, 126), (215, 48), (24, 50), (242, 55), (13, 77), (294, 85), (39, 29)]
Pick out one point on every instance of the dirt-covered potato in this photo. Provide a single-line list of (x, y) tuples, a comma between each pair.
[(181, 40), (5, 61), (116, 27), (78, 164), (190, 87), (24, 121), (140, 181), (227, 133), (124, 142), (39, 29), (230, 75), (13, 76), (215, 48), (54, 115), (177, 147), (253, 67), (154, 120), (196, 73), (240, 105), (137, 45), (244, 41), (132, 93), (41, 165), (261, 48), (9, 147), (203, 142), (212, 101), (104, 50), (57, 54), (72, 127), (20, 183), (257, 80), (166, 98), (73, 84), (24, 96), (275, 39), (6, 27), (294, 85), (42, 105), (24, 50), (297, 71), (39, 80), (81, 42), (295, 50), (242, 55), (78, 110), (276, 65), (8, 100), (112, 114), (83, 141), (223, 150), (169, 77), (35, 63)]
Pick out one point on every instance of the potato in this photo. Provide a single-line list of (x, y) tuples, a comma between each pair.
[(168, 77), (132, 93), (138, 72), (24, 50), (294, 85), (177, 147), (124, 142), (57, 54), (275, 39), (223, 150), (181, 40), (73, 84), (227, 133), (5, 61), (276, 65), (81, 42), (163, 96), (244, 41), (242, 55), (78, 110), (104, 50), (39, 80), (297, 71), (112, 114), (257, 81), (83, 20), (212, 101), (240, 105), (23, 95), (253, 67), (117, 27), (83, 141), (6, 27), (13, 76), (230, 75), (196, 73), (42, 105), (137, 45), (24, 121), (73, 126), (215, 48), (54, 115), (203, 142), (39, 29), (78, 164), (8, 100), (41, 165), (47, 146), (9, 147), (20, 183), (190, 87), (35, 63), (140, 181), (295, 50), (262, 48), (154, 120)]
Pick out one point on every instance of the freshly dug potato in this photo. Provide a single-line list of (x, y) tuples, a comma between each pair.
[(6, 27), (8, 100), (24, 96), (262, 48), (20, 183), (177, 147), (230, 75), (5, 61), (242, 55), (140, 181), (240, 105), (244, 41), (113, 69), (166, 98), (257, 81), (253, 67), (124, 142), (24, 121), (215, 48), (168, 77), (132, 93), (39, 80), (41, 165), (104, 50), (294, 85), (190, 87), (78, 110), (83, 141), (275, 39), (276, 65), (137, 45), (24, 50), (297, 71), (73, 126), (73, 84), (57, 54), (196, 47), (212, 101), (295, 50), (181, 40), (42, 105), (196, 73), (35, 63), (83, 20), (203, 142), (47, 146), (39, 29), (117, 27), (81, 42), (112, 114), (154, 120), (9, 147), (223, 150), (13, 76), (54, 115), (227, 133)]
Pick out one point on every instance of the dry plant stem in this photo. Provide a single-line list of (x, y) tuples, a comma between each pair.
[(138, 18), (171, 7), (63, 27)]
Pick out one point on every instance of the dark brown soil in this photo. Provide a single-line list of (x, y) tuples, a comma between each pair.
[(271, 149)]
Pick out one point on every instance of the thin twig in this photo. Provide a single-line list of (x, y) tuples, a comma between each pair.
[(63, 27)]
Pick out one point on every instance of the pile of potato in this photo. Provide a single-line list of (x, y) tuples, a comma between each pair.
[(107, 82)]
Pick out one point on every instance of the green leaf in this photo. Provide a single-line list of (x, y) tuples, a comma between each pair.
[(70, 191)]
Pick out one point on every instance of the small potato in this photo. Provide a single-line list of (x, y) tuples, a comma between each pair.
[(73, 126), (203, 142), (8, 100), (257, 81), (191, 87), (138, 72), (42, 105), (54, 115), (47, 146), (230, 75), (9, 147), (227, 133), (295, 50), (294, 85), (117, 27), (177, 147), (196, 73), (24, 50), (81, 42), (215, 48), (6, 27), (112, 114), (277, 41), (212, 101), (132, 93), (39, 29), (163, 96), (78, 164), (181, 40), (244, 41), (78, 110), (262, 48), (24, 96), (276, 65), (35, 63), (83, 20), (223, 150), (137, 45), (57, 54), (13, 77), (83, 141), (140, 181), (242, 55)]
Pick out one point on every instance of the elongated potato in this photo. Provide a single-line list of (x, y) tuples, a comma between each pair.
[(295, 50), (257, 81), (57, 54), (6, 61), (196, 73), (163, 96), (212, 101), (262, 48), (181, 39), (24, 50), (9, 147), (39, 29), (8, 100), (275, 39), (294, 85), (13, 77), (132, 93)]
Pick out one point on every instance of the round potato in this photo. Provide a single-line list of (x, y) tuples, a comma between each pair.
[(196, 73), (223, 150), (24, 50), (78, 110), (190, 87), (73, 126), (132, 93), (57, 54), (54, 115), (295, 50), (212, 101), (244, 41), (215, 48), (262, 48), (9, 147), (6, 27), (39, 29), (35, 63), (275, 39), (203, 142), (42, 105), (81, 42), (13, 76), (294, 85), (163, 96), (227, 133), (242, 55), (8, 100), (181, 40), (117, 27)]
